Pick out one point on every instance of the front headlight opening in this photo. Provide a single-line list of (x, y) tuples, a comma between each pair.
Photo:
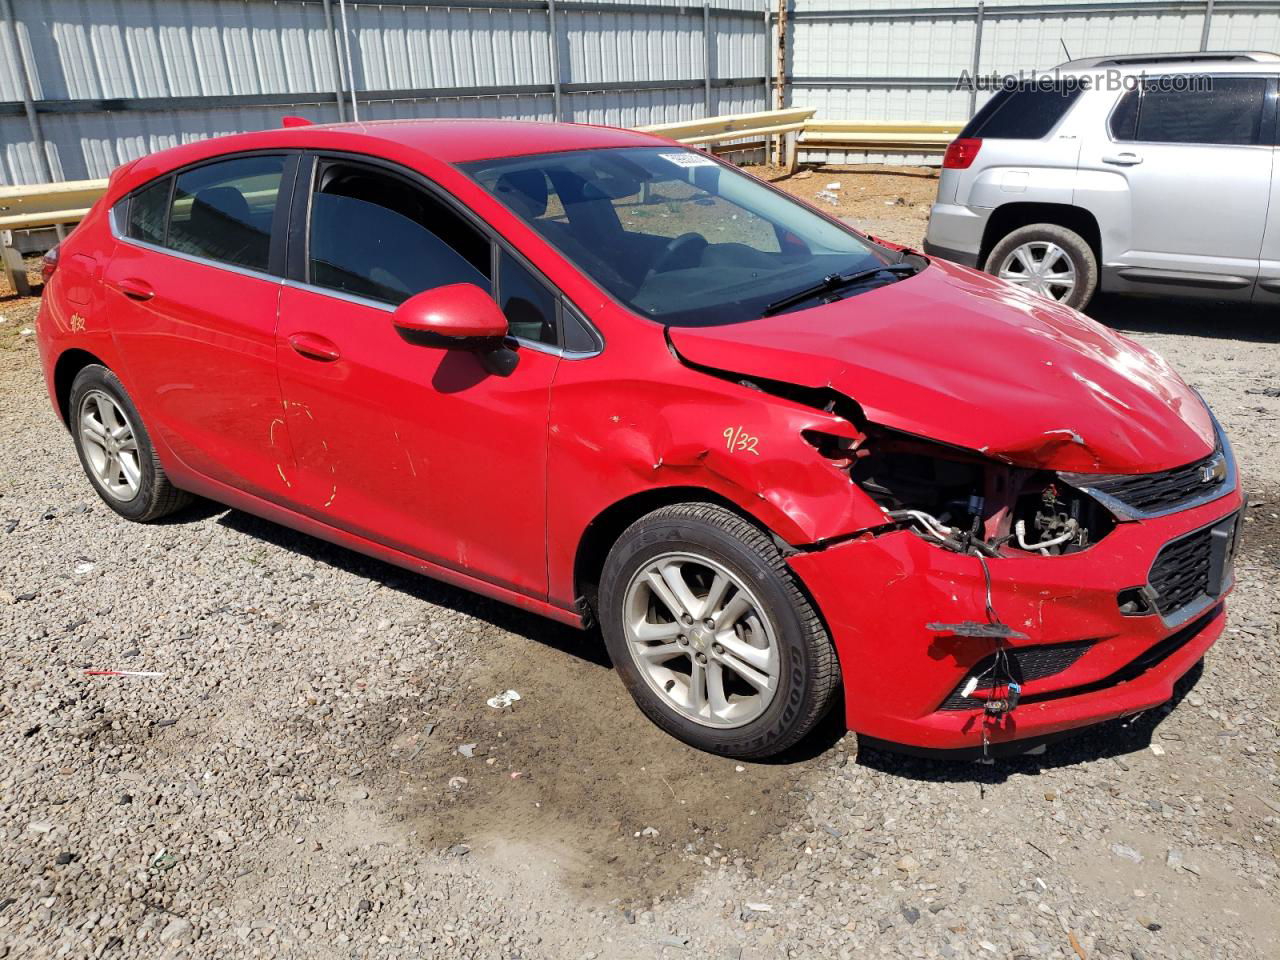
[(963, 501)]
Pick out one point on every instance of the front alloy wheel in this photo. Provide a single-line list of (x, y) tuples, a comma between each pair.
[(712, 634), (698, 638)]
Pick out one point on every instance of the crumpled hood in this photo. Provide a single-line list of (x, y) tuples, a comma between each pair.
[(959, 357)]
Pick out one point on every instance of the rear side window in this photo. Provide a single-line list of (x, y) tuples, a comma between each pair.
[(1022, 113), (375, 235), (148, 210), (223, 211), (1230, 112)]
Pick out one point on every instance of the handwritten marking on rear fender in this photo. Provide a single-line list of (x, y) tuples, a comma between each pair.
[(739, 441)]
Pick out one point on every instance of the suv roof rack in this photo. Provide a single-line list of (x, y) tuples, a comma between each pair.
[(1200, 56)]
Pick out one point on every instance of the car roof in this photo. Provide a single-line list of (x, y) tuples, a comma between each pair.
[(412, 142), (1215, 61), (464, 140)]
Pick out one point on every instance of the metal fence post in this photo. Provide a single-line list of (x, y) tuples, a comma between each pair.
[(553, 35), (707, 44), (768, 73), (1208, 22), (977, 57), (339, 80), (351, 70)]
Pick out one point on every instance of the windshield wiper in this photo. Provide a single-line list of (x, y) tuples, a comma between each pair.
[(835, 281)]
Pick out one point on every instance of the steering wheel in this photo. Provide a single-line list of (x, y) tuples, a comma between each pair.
[(685, 245)]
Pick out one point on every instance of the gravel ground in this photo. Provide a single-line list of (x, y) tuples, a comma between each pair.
[(292, 784)]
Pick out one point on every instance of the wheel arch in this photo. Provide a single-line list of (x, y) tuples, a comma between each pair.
[(599, 536), (1011, 216), (69, 364)]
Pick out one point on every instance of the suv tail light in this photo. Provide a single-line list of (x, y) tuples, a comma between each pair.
[(960, 153), (49, 263)]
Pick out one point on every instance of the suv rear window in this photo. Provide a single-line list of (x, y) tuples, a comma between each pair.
[(1022, 113)]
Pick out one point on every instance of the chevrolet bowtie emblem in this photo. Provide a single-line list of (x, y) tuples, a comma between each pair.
[(1214, 471)]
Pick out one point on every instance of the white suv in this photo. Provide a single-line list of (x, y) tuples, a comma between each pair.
[(1143, 174)]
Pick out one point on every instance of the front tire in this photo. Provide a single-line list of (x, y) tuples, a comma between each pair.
[(712, 635), (115, 449), (1047, 259)]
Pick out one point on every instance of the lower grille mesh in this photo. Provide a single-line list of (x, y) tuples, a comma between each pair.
[(1025, 663)]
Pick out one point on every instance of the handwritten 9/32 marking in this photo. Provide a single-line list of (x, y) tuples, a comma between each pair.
[(738, 440)]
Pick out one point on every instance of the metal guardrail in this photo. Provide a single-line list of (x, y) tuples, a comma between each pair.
[(879, 137), (40, 205), (751, 127), (62, 204)]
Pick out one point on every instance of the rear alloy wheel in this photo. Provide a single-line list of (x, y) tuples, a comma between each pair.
[(116, 451), (711, 633), (1049, 260)]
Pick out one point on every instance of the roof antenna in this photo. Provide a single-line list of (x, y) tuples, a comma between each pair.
[(1064, 47)]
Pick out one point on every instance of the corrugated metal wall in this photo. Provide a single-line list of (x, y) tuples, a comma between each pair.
[(112, 81), (900, 60)]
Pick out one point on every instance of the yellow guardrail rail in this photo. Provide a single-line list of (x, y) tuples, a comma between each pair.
[(741, 126), (879, 137), (40, 205)]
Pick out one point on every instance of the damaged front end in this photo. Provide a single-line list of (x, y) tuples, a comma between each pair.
[(1000, 602)]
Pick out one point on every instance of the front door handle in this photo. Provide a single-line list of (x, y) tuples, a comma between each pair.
[(314, 347), (1123, 159), (135, 289)]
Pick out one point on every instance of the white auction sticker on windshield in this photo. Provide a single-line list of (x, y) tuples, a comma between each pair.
[(688, 159)]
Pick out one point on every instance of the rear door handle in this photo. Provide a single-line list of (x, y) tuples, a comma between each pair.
[(314, 347), (1123, 159), (135, 289)]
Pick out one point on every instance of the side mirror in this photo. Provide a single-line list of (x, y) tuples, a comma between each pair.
[(458, 315)]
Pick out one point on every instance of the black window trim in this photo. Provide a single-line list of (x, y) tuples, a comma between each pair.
[(279, 217), (1268, 131), (298, 236)]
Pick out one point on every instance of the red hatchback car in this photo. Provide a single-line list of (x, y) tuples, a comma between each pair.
[(605, 377)]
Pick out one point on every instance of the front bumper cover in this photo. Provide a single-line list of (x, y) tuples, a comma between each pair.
[(878, 594)]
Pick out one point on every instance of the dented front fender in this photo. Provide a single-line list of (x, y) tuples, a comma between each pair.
[(665, 425)]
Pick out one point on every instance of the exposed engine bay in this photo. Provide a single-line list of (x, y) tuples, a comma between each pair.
[(965, 502)]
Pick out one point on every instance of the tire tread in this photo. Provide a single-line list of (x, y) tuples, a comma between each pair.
[(824, 667)]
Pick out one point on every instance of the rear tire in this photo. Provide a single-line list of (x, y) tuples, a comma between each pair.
[(1047, 259), (737, 664), (115, 449)]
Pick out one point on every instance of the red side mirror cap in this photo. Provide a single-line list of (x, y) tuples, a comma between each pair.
[(458, 314)]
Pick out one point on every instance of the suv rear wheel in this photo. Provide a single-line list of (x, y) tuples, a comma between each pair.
[(712, 634), (1047, 259)]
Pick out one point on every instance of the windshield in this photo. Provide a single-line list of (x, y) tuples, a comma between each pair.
[(678, 236)]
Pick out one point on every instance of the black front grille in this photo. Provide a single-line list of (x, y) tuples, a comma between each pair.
[(1167, 490), (1180, 574), (1025, 663)]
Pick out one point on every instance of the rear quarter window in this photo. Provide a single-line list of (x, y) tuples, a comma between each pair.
[(1023, 113), (148, 211)]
